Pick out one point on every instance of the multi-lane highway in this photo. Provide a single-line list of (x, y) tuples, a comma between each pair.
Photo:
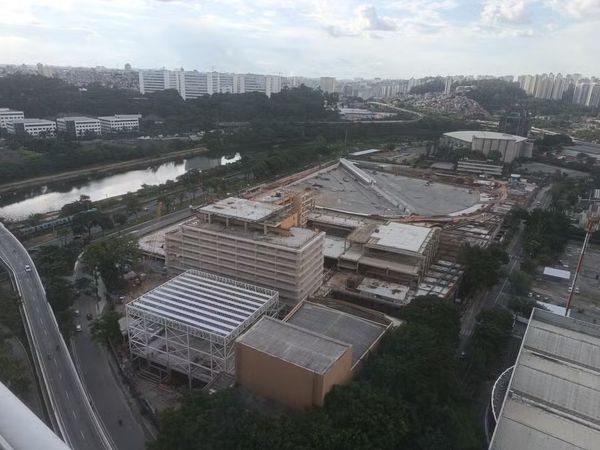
[(70, 410)]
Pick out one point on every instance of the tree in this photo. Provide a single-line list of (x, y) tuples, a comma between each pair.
[(491, 334), (109, 256), (83, 204), (87, 220), (520, 283), (105, 330), (522, 306), (482, 267), (132, 203)]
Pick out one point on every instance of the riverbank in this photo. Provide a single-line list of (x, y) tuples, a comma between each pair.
[(103, 169)]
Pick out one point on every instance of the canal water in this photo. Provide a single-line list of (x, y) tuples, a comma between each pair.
[(52, 197)]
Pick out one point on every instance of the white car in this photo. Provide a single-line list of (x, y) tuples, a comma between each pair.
[(27, 268), (78, 328)]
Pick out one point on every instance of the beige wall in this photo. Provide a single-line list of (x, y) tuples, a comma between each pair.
[(286, 383)]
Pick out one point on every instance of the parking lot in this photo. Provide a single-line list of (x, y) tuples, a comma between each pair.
[(586, 299)]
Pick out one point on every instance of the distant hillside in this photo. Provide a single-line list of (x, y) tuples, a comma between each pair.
[(43, 97)]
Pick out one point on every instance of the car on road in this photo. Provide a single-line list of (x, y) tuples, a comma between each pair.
[(76, 313), (78, 328), (89, 316), (27, 268)]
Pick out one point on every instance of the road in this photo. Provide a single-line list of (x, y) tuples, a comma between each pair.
[(498, 295), (102, 382), (74, 416)]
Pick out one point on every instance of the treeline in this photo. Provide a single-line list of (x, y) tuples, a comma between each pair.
[(164, 111), (40, 157), (495, 95), (408, 396)]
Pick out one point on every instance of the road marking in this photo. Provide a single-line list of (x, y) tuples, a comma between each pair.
[(82, 435), (60, 375), (67, 392), (74, 415)]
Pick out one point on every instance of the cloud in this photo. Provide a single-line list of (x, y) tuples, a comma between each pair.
[(366, 20), (369, 20), (579, 9), (505, 11)]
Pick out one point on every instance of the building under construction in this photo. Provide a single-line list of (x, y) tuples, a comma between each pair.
[(189, 324), (259, 242)]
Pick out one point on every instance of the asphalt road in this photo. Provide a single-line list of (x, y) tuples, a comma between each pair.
[(101, 382), (76, 419)]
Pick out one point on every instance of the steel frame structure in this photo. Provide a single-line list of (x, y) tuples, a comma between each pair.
[(196, 352)]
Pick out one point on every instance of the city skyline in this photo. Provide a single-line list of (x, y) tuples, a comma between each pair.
[(348, 39)]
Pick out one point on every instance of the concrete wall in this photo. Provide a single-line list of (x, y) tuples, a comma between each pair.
[(286, 383)]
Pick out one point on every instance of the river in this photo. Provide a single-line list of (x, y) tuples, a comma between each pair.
[(52, 197)]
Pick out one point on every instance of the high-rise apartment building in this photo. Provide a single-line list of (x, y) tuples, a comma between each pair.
[(193, 84), (546, 86), (327, 84), (587, 94)]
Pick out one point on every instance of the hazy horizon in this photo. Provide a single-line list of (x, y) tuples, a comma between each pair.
[(346, 39)]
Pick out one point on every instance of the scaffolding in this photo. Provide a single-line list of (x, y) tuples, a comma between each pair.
[(189, 324)]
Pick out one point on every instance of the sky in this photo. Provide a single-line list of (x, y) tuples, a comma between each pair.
[(340, 38)]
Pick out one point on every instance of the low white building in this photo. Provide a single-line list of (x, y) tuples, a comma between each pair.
[(32, 127), (509, 146), (119, 122), (8, 115), (78, 126)]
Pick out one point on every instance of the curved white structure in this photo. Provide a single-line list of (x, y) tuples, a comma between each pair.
[(21, 428)]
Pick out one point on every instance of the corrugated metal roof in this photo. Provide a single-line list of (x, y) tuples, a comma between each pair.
[(558, 273), (204, 301), (553, 400), (293, 344), (361, 334)]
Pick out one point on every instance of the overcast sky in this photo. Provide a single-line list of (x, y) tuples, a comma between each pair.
[(341, 38)]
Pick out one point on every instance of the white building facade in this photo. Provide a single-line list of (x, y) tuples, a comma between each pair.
[(8, 115), (78, 126), (119, 122), (32, 127), (509, 146), (193, 84)]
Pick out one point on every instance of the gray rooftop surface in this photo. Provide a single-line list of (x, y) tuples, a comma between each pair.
[(205, 302), (360, 333), (553, 400), (468, 136), (78, 118), (294, 344), (240, 208)]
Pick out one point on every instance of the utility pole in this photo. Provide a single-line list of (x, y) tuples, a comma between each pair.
[(590, 228)]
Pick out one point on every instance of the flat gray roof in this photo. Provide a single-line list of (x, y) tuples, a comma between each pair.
[(468, 136), (34, 121), (355, 331), (294, 344), (205, 302), (400, 236), (79, 118), (240, 208), (553, 399)]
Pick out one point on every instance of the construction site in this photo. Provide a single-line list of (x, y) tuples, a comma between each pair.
[(372, 233)]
